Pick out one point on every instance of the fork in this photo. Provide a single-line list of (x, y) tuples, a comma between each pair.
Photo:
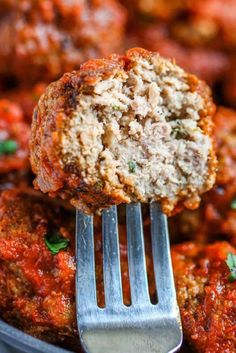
[(142, 327)]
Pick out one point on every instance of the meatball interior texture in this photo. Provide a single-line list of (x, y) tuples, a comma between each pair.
[(14, 138), (43, 39), (127, 128), (206, 298)]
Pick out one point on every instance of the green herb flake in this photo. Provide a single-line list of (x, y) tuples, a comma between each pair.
[(233, 204), (8, 147), (115, 107), (132, 166), (231, 263), (179, 133), (55, 242)]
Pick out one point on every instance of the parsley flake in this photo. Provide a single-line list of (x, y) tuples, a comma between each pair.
[(8, 147), (55, 242), (179, 133), (233, 204), (132, 166), (231, 263)]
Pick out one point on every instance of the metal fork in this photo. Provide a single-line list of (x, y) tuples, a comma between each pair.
[(141, 327)]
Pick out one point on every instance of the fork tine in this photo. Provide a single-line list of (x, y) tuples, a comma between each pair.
[(136, 255), (111, 258), (85, 275), (161, 257)]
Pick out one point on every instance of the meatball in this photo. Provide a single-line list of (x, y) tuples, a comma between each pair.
[(206, 297), (216, 216), (14, 137), (127, 128), (37, 291), (208, 64), (43, 39)]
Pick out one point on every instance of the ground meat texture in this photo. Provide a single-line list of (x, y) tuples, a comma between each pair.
[(37, 291), (206, 298), (43, 39), (14, 138), (122, 129), (210, 65), (216, 217)]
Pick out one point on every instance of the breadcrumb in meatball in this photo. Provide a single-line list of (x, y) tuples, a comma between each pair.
[(127, 128), (14, 138), (206, 297), (43, 39)]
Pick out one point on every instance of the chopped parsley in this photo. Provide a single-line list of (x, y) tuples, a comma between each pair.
[(132, 166), (233, 204), (55, 242), (179, 133), (8, 147), (115, 107), (231, 263)]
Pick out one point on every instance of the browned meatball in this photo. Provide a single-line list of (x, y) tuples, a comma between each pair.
[(127, 128), (206, 297), (217, 214), (43, 39)]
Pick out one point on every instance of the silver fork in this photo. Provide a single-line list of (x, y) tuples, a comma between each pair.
[(141, 327)]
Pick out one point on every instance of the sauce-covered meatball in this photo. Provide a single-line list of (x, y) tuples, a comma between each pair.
[(206, 296), (127, 128), (43, 39), (14, 138)]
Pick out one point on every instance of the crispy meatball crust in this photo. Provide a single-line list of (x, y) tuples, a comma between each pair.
[(43, 39), (206, 298), (58, 104), (13, 127)]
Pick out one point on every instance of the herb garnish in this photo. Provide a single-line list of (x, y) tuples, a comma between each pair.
[(233, 204), (8, 147), (231, 263), (179, 133), (55, 242), (132, 166)]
